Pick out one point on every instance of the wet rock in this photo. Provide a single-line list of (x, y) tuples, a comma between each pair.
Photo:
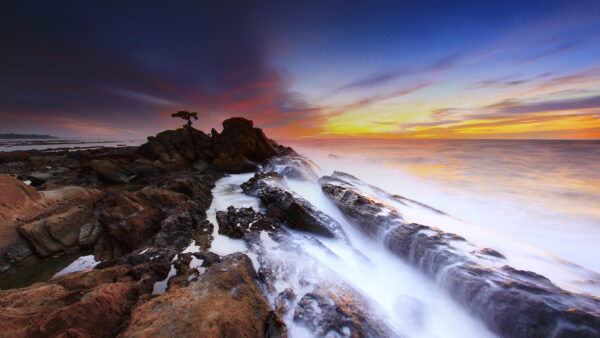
[(283, 300), (177, 228), (490, 252), (284, 205), (224, 301), (109, 171), (511, 302), (132, 219), (162, 256), (293, 167), (236, 223), (328, 313), (83, 304)]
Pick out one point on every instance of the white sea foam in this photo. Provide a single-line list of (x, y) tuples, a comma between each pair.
[(560, 246)]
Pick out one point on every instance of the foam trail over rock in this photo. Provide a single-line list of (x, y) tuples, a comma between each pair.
[(511, 302)]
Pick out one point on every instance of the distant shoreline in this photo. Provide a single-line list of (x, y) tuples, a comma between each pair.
[(25, 136)]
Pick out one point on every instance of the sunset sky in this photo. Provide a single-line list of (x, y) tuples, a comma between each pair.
[(398, 69)]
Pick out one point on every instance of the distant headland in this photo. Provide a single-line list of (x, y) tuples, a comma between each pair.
[(25, 136)]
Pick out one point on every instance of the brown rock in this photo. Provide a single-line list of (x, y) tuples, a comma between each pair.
[(239, 137), (93, 303), (50, 220), (224, 302), (14, 197), (109, 170), (236, 165)]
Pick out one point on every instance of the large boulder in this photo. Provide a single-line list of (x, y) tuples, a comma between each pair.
[(239, 137), (224, 301), (179, 146), (94, 303), (47, 222)]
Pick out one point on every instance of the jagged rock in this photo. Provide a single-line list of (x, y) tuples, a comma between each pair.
[(239, 137), (110, 171), (511, 302), (235, 165), (93, 303), (284, 205), (224, 301), (340, 312), (177, 228), (132, 219), (184, 144), (235, 223)]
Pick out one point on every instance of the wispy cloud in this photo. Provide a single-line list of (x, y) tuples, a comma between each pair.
[(384, 77)]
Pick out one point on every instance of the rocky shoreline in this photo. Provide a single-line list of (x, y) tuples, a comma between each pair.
[(138, 209)]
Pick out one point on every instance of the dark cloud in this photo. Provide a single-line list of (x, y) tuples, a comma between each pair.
[(140, 60)]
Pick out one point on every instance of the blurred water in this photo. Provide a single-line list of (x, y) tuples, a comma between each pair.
[(516, 194)]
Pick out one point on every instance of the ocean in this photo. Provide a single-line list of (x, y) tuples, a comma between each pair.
[(537, 201)]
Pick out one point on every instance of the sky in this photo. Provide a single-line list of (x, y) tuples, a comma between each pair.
[(322, 69)]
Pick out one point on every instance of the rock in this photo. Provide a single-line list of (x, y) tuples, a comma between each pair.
[(200, 166), (94, 303), (50, 221), (235, 165), (235, 223), (110, 171), (14, 156), (15, 196), (57, 233), (239, 137), (284, 205), (196, 188), (329, 313), (293, 167), (181, 222), (224, 301), (511, 302), (153, 216), (181, 145)]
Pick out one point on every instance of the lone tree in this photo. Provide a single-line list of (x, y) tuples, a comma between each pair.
[(186, 115)]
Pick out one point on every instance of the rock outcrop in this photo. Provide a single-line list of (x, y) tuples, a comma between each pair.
[(52, 221), (94, 303), (237, 149), (511, 302), (286, 206), (224, 301)]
